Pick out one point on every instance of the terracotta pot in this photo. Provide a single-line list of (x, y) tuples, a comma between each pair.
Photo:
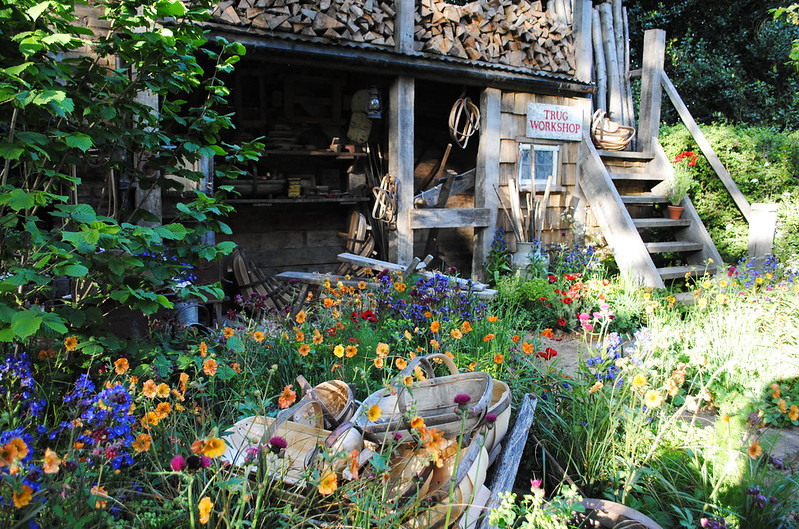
[(675, 212)]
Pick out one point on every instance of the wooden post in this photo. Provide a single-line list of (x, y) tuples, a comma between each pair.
[(403, 25), (583, 51), (654, 57), (148, 200), (615, 108), (762, 226), (601, 98), (487, 176), (400, 165)]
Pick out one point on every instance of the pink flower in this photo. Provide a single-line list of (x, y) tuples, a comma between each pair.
[(205, 461), (177, 463)]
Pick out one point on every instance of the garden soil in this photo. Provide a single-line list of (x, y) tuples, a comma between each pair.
[(785, 441)]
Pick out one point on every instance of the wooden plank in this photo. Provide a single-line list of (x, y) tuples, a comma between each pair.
[(504, 471), (450, 218), (707, 149), (673, 246), (400, 164), (762, 227), (582, 40), (649, 112), (601, 96), (403, 27), (487, 175), (647, 177), (661, 223), (626, 155), (680, 272), (644, 199), (377, 264)]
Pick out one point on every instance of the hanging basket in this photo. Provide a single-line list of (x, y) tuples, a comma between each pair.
[(608, 134)]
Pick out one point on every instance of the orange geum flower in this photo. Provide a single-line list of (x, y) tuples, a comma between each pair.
[(236, 367), (149, 420), (287, 398), (304, 349), (428, 314), (184, 378), (472, 366), (352, 350), (419, 374), (203, 349), (163, 390), (71, 343), (339, 351), (547, 333), (99, 490), (379, 362), (121, 366), (374, 413), (755, 450), (456, 334), (781, 405), (361, 285), (327, 302), (794, 413), (227, 332), (435, 326), (401, 363), (328, 484), (142, 443), (214, 447), (400, 287), (209, 367), (450, 355), (24, 498), (299, 337), (417, 423), (499, 358), (528, 348), (150, 389), (382, 349), (317, 337), (163, 410), (133, 381), (408, 380), (466, 327), (492, 319), (204, 508), (20, 446), (197, 446), (488, 337), (51, 462), (596, 387), (300, 317), (258, 336), (515, 338), (435, 344)]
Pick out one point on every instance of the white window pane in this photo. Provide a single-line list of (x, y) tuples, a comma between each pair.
[(544, 165)]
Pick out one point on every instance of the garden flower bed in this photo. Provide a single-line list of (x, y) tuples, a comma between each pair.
[(136, 437)]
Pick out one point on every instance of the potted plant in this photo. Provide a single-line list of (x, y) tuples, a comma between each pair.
[(680, 182)]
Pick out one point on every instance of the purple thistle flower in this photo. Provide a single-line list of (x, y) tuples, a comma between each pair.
[(205, 461), (462, 399), (277, 444), (177, 463), (490, 418)]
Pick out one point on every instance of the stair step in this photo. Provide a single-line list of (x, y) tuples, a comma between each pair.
[(673, 246), (643, 199), (646, 177), (626, 155), (678, 272), (661, 223)]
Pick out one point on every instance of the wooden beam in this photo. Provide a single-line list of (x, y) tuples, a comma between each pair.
[(707, 149), (487, 175), (601, 96), (583, 50), (762, 227), (403, 25), (649, 112), (400, 165), (450, 218)]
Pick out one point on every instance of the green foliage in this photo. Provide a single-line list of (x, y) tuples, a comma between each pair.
[(80, 118), (764, 164)]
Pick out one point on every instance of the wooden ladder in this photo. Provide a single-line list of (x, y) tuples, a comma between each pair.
[(626, 192)]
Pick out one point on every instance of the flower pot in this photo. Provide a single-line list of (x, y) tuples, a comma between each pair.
[(527, 254), (675, 212)]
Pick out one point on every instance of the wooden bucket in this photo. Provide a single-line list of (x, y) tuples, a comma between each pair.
[(501, 409), (608, 134), (434, 401)]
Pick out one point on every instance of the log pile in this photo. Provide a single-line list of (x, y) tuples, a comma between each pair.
[(520, 33), (370, 21)]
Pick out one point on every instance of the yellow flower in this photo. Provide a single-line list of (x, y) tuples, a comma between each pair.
[(142, 443), (304, 349), (401, 363), (702, 302), (71, 343), (417, 423), (121, 366), (328, 484), (379, 363), (205, 506), (300, 317), (722, 283), (21, 500), (794, 413), (639, 381), (375, 413), (456, 334), (150, 389), (653, 399), (361, 284), (408, 380), (492, 319), (400, 287), (382, 348), (51, 462), (352, 350), (755, 450), (163, 390), (339, 351), (725, 418), (596, 387), (214, 447), (258, 336), (435, 326), (317, 337), (227, 332)]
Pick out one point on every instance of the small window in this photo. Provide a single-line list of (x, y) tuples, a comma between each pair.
[(536, 163)]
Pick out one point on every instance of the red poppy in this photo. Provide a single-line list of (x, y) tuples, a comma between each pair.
[(332, 331), (552, 278), (368, 315), (567, 301), (542, 298), (354, 316), (562, 322), (549, 354), (569, 277)]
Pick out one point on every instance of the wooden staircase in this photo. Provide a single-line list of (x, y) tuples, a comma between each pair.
[(626, 192)]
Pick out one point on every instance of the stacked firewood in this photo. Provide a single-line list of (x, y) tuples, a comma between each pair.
[(517, 33), (521, 33)]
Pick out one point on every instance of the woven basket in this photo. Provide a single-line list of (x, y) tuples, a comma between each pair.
[(608, 134)]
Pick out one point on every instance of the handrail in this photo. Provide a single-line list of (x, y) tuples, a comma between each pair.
[(707, 150)]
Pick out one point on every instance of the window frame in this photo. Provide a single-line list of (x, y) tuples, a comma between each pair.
[(529, 184)]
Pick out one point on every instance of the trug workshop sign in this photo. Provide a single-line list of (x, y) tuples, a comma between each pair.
[(554, 122)]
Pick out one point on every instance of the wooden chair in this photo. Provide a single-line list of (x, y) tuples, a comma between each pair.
[(359, 241), (252, 280)]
